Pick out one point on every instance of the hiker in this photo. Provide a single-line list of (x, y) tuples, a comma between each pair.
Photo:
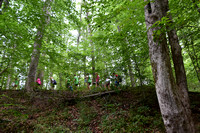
[(85, 81), (38, 83), (68, 83), (16, 83), (116, 81), (53, 83), (97, 79), (107, 83), (89, 81), (75, 81)]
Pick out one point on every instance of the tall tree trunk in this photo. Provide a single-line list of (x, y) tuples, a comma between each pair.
[(79, 30), (8, 79), (1, 63), (193, 63), (8, 82), (92, 46), (176, 117), (2, 82), (61, 80), (36, 49), (177, 57), (138, 70)]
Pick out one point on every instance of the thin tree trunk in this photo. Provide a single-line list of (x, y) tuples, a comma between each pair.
[(8, 82), (176, 117), (177, 57), (195, 55), (79, 30), (8, 79), (138, 70), (1, 63), (129, 63), (193, 63), (2, 82), (131, 75), (92, 46), (36, 49), (61, 80)]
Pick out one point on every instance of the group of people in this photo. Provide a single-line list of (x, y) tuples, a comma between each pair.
[(116, 79), (72, 83)]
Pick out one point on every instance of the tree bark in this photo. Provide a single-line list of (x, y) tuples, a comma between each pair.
[(61, 80), (176, 117), (36, 49), (131, 75), (40, 74), (8, 82)]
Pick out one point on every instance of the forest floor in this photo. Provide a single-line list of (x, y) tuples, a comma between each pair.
[(128, 110)]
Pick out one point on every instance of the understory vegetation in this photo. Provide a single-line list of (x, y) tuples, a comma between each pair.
[(127, 110)]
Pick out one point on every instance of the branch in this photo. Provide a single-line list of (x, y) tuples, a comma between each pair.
[(3, 71)]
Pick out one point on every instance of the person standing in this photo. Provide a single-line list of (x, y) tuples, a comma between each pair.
[(116, 80), (107, 83), (76, 81), (68, 83), (38, 83), (16, 83), (97, 79), (89, 80), (53, 83)]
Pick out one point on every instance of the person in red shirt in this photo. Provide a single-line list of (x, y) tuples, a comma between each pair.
[(116, 80), (97, 79)]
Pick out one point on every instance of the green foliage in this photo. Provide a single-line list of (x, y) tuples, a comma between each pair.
[(87, 114)]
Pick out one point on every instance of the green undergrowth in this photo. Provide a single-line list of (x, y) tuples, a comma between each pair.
[(129, 110)]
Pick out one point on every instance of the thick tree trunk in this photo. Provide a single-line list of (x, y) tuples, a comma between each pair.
[(34, 61), (176, 117), (177, 57), (40, 74), (36, 49)]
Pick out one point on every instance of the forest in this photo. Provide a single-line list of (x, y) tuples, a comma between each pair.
[(100, 66)]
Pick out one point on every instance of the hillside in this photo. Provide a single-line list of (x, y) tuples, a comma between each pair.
[(129, 110)]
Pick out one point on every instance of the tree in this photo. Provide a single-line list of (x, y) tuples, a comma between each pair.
[(176, 116), (37, 46)]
